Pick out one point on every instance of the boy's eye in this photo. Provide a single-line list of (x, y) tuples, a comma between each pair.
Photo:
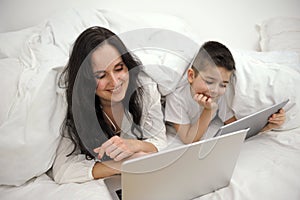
[(209, 82), (223, 85)]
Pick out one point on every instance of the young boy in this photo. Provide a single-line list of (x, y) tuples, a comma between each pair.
[(192, 106)]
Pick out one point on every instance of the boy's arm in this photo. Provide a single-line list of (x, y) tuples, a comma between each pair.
[(189, 133), (232, 119)]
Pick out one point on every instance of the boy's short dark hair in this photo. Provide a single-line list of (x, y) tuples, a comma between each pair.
[(213, 53)]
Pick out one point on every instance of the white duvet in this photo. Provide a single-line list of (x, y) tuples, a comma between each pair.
[(267, 168), (33, 108)]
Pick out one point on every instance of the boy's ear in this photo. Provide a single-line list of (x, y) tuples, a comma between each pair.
[(191, 75)]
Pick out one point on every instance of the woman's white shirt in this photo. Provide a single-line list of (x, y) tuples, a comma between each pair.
[(76, 168)]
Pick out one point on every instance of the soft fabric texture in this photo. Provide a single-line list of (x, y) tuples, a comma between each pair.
[(268, 164), (165, 60), (165, 68), (280, 34), (30, 133), (12, 42), (10, 71), (260, 83)]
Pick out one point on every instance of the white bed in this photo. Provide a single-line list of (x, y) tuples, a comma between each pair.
[(32, 106)]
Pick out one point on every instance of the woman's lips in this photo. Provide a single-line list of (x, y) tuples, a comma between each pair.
[(117, 89)]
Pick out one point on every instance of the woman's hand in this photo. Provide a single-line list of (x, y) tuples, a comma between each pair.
[(111, 167), (117, 148), (205, 101)]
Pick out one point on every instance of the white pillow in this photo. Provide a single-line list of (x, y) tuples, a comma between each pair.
[(286, 58), (166, 70), (30, 133), (30, 136), (280, 34), (66, 27), (133, 29), (10, 70), (139, 20), (165, 56), (261, 83), (12, 42)]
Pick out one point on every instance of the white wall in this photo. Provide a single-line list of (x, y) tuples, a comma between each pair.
[(229, 21)]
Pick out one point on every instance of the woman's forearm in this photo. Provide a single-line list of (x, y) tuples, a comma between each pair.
[(105, 169)]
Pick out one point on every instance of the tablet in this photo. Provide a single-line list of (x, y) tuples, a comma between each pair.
[(256, 121)]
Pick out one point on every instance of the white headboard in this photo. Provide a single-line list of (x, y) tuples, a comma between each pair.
[(229, 21)]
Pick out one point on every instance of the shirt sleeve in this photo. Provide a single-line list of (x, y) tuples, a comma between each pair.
[(175, 110), (225, 106), (72, 168), (152, 122)]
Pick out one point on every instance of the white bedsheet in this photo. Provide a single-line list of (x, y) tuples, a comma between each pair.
[(268, 168)]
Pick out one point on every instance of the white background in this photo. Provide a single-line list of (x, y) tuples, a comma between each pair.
[(229, 21)]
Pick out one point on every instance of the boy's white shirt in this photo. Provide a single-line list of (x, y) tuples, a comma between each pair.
[(181, 108)]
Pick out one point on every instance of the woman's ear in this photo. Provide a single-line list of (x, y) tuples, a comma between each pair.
[(191, 75)]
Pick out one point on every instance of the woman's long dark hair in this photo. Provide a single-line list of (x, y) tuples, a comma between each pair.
[(85, 44)]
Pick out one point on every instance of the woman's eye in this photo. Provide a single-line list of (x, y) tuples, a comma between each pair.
[(99, 76), (119, 67)]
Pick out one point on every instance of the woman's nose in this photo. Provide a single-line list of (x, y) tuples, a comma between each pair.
[(113, 79)]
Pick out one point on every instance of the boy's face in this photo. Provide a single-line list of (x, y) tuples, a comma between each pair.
[(211, 82)]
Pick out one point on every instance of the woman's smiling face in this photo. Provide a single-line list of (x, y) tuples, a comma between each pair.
[(111, 74)]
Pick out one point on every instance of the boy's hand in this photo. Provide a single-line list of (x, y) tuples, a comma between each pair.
[(275, 120), (205, 101)]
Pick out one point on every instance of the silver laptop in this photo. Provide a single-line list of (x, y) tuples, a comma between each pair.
[(184, 172), (256, 121)]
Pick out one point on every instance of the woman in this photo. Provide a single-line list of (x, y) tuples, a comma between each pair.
[(103, 81)]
